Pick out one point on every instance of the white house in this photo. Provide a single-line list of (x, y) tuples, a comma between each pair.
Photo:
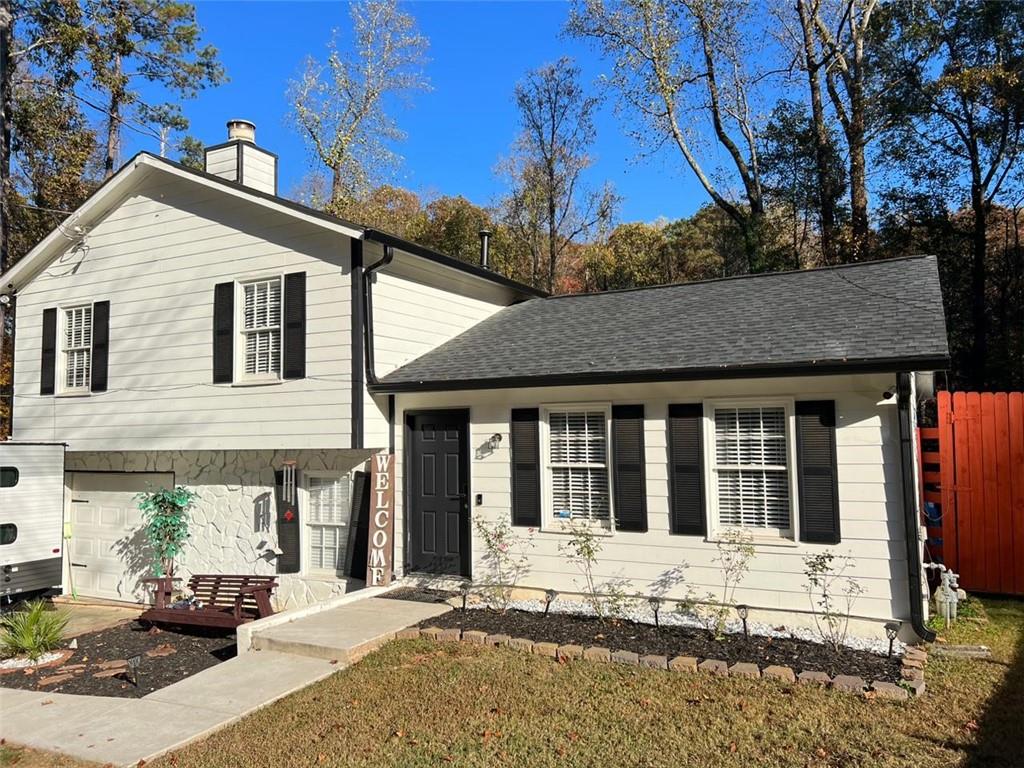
[(198, 329)]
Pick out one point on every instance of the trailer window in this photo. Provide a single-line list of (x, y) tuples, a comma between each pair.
[(8, 477), (8, 533)]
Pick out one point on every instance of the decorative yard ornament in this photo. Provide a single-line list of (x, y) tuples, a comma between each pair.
[(288, 484), (382, 521)]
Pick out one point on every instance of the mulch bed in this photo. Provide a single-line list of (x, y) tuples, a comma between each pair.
[(172, 656), (567, 629)]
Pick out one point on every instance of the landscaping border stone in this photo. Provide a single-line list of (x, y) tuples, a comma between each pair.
[(912, 668)]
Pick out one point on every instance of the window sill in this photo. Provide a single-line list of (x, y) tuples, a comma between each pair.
[(557, 526), (719, 537), (73, 394), (260, 383)]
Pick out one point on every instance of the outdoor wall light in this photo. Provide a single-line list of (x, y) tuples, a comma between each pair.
[(549, 598), (494, 441), (743, 611), (892, 629), (655, 603)]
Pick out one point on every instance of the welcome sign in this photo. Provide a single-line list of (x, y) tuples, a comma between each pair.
[(382, 521)]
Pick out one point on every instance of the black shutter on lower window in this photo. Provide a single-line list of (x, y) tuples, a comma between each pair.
[(100, 346), (817, 473), (294, 316), (525, 448), (687, 513), (223, 333), (48, 363), (290, 559), (628, 460)]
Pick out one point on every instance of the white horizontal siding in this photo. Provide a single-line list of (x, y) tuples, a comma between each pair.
[(418, 306), (258, 169), (222, 162), (869, 492), (157, 257)]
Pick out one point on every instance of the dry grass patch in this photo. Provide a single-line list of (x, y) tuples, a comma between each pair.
[(417, 703), (414, 703)]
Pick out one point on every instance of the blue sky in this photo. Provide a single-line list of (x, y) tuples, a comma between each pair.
[(458, 130)]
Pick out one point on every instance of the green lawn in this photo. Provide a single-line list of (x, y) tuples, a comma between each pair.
[(415, 703), (418, 704)]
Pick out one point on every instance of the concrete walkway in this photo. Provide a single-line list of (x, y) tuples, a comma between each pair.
[(290, 656), (347, 633)]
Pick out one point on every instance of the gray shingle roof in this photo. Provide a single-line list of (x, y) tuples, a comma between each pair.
[(882, 315)]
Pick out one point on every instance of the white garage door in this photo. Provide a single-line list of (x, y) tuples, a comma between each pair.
[(108, 551)]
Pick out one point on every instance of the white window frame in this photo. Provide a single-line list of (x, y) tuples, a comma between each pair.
[(241, 332), (64, 350), (305, 517), (548, 519), (716, 530)]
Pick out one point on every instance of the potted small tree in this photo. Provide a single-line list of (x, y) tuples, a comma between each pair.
[(165, 513)]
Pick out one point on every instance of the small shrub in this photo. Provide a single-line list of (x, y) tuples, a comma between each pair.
[(735, 551), (505, 555), (32, 630), (165, 512), (608, 599), (832, 592)]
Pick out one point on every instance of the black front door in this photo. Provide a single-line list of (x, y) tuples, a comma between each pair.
[(437, 471)]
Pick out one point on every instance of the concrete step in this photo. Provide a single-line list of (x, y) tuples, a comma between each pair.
[(347, 633)]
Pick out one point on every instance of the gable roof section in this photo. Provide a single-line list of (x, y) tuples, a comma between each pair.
[(144, 164), (876, 316)]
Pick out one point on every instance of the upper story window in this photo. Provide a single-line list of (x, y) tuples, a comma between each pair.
[(260, 326), (750, 467), (576, 464), (76, 348)]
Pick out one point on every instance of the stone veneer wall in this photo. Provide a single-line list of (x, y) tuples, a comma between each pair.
[(234, 523)]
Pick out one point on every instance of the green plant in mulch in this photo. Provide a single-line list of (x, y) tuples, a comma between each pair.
[(832, 590), (32, 630), (165, 513), (608, 600), (505, 557)]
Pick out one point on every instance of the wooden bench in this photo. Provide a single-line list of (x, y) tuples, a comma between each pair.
[(228, 601)]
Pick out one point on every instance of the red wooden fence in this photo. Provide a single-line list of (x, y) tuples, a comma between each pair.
[(981, 457)]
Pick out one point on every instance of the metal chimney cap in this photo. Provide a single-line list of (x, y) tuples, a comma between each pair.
[(243, 130)]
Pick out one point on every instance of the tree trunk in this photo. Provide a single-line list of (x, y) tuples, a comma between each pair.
[(857, 141), (826, 195), (6, 118), (113, 146), (979, 313)]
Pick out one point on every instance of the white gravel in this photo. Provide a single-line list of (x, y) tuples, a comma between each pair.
[(21, 662), (642, 614)]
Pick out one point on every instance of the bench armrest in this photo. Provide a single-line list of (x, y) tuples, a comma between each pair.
[(163, 586), (262, 594)]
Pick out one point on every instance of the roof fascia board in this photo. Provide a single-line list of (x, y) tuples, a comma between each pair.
[(829, 368), (98, 203)]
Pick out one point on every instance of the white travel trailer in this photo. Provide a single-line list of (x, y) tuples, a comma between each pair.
[(31, 518)]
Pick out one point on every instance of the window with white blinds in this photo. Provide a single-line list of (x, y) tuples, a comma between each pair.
[(750, 467), (578, 465), (76, 349), (261, 328), (327, 520)]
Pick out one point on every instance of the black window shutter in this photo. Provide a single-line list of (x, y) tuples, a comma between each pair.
[(294, 326), (687, 514), (525, 447), (100, 346), (817, 475), (223, 333), (630, 477), (290, 559), (359, 525), (48, 364)]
